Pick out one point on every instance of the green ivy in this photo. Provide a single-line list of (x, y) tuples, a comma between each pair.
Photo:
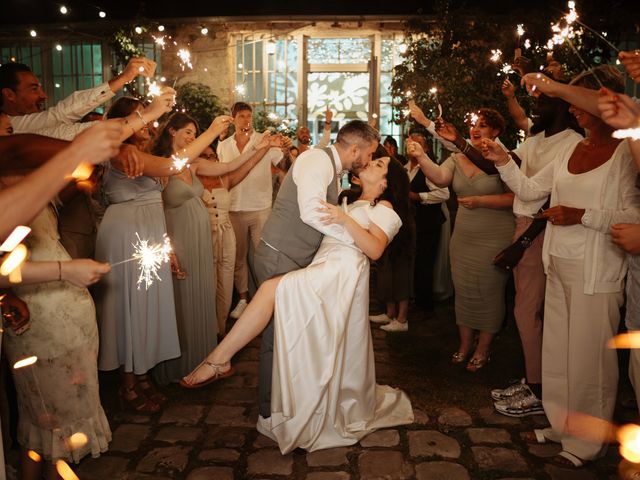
[(200, 102)]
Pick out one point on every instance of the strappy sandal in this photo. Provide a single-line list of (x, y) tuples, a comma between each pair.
[(535, 437), (138, 403), (476, 363), (150, 391), (459, 357), (567, 460), (218, 374)]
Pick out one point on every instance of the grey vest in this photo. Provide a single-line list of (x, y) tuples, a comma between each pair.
[(285, 231)]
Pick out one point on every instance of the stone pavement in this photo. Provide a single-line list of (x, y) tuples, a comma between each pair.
[(209, 433)]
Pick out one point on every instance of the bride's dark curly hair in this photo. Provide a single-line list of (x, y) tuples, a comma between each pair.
[(397, 193)]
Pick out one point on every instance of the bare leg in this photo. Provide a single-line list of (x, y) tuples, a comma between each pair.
[(466, 339), (483, 348), (391, 310), (31, 470), (250, 324), (403, 310)]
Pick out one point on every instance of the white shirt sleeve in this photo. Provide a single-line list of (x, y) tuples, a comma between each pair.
[(66, 111), (64, 131), (445, 143), (525, 188), (312, 174), (434, 195)]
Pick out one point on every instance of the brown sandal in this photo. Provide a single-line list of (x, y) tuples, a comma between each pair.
[(218, 374), (138, 403), (150, 391)]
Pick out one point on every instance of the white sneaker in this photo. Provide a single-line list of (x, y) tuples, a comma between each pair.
[(236, 312), (382, 318), (522, 404), (510, 391), (395, 326)]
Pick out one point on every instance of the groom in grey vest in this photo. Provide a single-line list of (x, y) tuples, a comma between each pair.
[(294, 230)]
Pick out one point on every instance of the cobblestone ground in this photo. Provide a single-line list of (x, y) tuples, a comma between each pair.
[(210, 434)]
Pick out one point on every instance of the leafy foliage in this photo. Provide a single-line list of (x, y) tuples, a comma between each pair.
[(200, 102)]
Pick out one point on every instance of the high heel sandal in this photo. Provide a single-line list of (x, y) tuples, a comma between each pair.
[(459, 357), (476, 363), (138, 403), (218, 374), (150, 391)]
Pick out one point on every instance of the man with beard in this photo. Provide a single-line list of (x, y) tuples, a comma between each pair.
[(294, 230)]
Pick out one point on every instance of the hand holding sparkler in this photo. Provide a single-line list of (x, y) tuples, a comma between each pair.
[(15, 312), (162, 103), (447, 131), (83, 272), (618, 110), (418, 115), (537, 83), (521, 65), (139, 66), (98, 143), (631, 62), (508, 89), (494, 152), (220, 124), (414, 149)]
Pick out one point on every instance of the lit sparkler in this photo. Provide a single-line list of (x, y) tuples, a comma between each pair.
[(632, 133), (160, 41), (13, 240), (154, 89), (496, 55), (185, 58), (179, 162), (520, 29), (471, 118), (434, 91), (150, 258)]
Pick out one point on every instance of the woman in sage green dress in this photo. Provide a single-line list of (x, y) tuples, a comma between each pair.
[(189, 229), (484, 226)]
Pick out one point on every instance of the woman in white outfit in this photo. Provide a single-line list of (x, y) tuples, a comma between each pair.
[(324, 392), (592, 187)]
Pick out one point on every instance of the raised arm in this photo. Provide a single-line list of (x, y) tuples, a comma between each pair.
[(439, 175), (583, 98), (515, 110), (267, 142), (418, 115), (372, 242), (21, 202)]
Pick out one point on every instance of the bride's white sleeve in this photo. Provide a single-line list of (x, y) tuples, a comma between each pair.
[(387, 219)]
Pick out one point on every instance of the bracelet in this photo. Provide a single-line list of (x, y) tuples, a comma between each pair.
[(59, 271), (140, 115)]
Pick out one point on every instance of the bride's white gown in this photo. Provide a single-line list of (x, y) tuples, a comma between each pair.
[(324, 391)]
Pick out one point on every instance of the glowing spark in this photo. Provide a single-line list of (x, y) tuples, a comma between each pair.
[(527, 44), (14, 238), (160, 41), (633, 133), (25, 362), (64, 470), (629, 437), (433, 90), (241, 89), (185, 58), (179, 163), (520, 29), (33, 33), (64, 10), (204, 30), (34, 456), (154, 90), (150, 258), (495, 55), (77, 440), (14, 260), (161, 28), (506, 69), (102, 14), (82, 171), (471, 118), (138, 30)]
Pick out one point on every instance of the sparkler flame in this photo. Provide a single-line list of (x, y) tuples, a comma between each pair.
[(13, 240), (14, 260), (632, 133), (25, 362), (154, 89), (64, 470), (185, 58), (520, 29), (160, 41), (496, 55), (150, 258), (471, 118), (179, 162)]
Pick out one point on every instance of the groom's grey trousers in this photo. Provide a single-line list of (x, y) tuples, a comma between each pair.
[(268, 263)]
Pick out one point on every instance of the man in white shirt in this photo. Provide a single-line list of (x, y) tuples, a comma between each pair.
[(22, 98), (251, 199)]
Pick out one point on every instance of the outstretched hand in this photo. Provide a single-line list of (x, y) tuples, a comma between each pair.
[(414, 149), (447, 130), (508, 89), (83, 272), (334, 214), (162, 103), (494, 152), (537, 83), (618, 110), (417, 114), (631, 62)]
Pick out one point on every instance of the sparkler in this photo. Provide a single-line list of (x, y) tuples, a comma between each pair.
[(179, 162), (185, 58), (25, 362), (34, 456), (150, 258), (13, 260), (13, 240), (159, 41), (520, 29), (471, 118), (434, 91), (632, 133), (496, 55), (153, 89), (64, 470)]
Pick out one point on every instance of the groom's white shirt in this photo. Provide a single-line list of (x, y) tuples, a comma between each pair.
[(312, 174)]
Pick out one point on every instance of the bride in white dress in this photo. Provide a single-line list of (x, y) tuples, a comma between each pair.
[(324, 392)]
